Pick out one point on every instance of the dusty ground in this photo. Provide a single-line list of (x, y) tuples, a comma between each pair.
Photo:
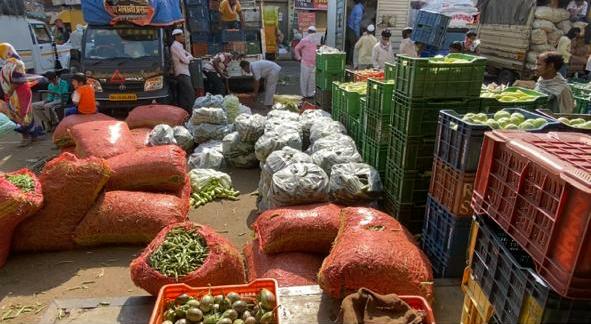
[(37, 279)]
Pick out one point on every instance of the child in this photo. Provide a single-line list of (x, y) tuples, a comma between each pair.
[(83, 97)]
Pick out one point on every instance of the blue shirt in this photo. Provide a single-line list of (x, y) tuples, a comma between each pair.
[(57, 90), (355, 17)]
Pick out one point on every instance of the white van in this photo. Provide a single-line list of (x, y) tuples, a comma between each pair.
[(33, 41)]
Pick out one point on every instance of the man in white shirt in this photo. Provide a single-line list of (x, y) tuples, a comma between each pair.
[(267, 70), (407, 46), (382, 51), (180, 61)]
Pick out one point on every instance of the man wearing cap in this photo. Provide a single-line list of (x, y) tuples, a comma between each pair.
[(364, 48), (180, 61), (305, 52), (382, 51), (407, 46)]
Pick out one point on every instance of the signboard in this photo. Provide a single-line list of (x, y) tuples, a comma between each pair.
[(321, 4), (304, 4), (139, 12)]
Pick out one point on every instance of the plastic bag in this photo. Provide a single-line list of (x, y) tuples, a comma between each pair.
[(554, 15), (205, 132), (205, 115), (297, 184), (151, 115), (331, 141), (283, 114), (183, 138), (323, 129), (209, 100), (208, 155), (238, 154), (244, 110), (565, 26), (554, 37), (250, 127), (328, 157), (545, 25), (273, 141), (161, 135), (102, 139), (279, 125), (278, 160), (309, 117), (231, 105), (200, 178), (539, 37), (354, 183)]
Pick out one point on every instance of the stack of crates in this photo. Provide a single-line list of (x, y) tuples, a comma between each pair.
[(430, 28), (529, 248), (582, 95), (423, 87), (198, 23), (330, 67)]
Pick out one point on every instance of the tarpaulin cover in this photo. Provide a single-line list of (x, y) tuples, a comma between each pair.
[(61, 134), (372, 250), (151, 115), (166, 12), (102, 139), (305, 228), (289, 269), (222, 266), (15, 206), (156, 168), (505, 12), (70, 188), (129, 217)]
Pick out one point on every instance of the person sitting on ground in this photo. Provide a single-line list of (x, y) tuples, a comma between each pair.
[(364, 49), (471, 43), (577, 10), (83, 97), (407, 46), (382, 51), (455, 47), (267, 70), (45, 110)]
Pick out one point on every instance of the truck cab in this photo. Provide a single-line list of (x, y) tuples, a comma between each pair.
[(127, 64)]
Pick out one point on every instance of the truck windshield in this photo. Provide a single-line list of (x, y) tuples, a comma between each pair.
[(130, 43)]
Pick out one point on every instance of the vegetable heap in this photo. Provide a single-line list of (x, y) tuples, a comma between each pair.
[(231, 105), (576, 122), (289, 102), (363, 75), (181, 252), (22, 181), (359, 87), (509, 95), (440, 59), (212, 191), (505, 120), (229, 309)]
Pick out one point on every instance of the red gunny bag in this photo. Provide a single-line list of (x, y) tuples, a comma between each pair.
[(151, 115)]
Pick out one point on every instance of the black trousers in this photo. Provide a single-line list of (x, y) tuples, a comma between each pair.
[(215, 84), (186, 93)]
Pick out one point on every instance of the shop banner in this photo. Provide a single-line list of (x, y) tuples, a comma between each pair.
[(304, 4), (138, 12), (321, 4)]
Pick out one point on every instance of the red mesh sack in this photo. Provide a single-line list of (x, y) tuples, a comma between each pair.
[(156, 168), (102, 139), (374, 251), (15, 206), (139, 136), (304, 228), (289, 269), (128, 217), (68, 149), (222, 266), (70, 187), (151, 115), (61, 134)]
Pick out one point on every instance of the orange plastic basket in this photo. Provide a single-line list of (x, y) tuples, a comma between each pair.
[(170, 292), (420, 304)]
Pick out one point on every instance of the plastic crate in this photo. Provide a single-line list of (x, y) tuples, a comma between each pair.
[(214, 48), (334, 62), (379, 96), (376, 127), (407, 187), (215, 17), (374, 153), (390, 71), (351, 104), (169, 292), (423, 78), (477, 308), (537, 187), (197, 13), (199, 49), (325, 79), (337, 110), (199, 37), (430, 28), (238, 47), (251, 35), (445, 239), (554, 116), (409, 215), (492, 105), (419, 119), (459, 141), (199, 25), (582, 105), (516, 292), (203, 3), (354, 129), (359, 75), (579, 89), (214, 5), (253, 48), (323, 99), (451, 188), (232, 35), (411, 154)]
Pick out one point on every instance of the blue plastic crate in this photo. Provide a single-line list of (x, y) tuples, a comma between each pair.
[(232, 35), (204, 3), (215, 17), (251, 35), (199, 36), (199, 26), (214, 48), (430, 28), (197, 13), (445, 240)]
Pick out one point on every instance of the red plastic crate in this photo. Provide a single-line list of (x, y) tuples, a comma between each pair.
[(169, 292), (453, 189), (199, 49), (537, 187)]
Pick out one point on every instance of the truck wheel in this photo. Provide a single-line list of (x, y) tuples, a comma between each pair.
[(507, 77)]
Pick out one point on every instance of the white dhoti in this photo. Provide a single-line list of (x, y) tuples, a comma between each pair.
[(307, 80), (270, 87)]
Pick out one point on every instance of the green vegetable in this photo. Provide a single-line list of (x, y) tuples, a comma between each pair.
[(181, 252), (267, 299), (22, 181), (213, 190)]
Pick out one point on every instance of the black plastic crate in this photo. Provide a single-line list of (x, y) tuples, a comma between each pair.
[(251, 35), (232, 35), (199, 37), (409, 215), (204, 3), (505, 273), (445, 240), (197, 13)]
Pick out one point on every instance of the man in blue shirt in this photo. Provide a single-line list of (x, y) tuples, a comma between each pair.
[(354, 28), (45, 110)]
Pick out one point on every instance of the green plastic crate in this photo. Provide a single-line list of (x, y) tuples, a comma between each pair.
[(421, 78), (334, 62), (409, 215), (325, 79), (390, 71), (582, 105), (379, 96), (406, 187), (374, 154), (419, 119), (411, 154), (353, 129), (492, 105), (323, 99), (351, 104), (376, 126), (337, 110), (579, 90)]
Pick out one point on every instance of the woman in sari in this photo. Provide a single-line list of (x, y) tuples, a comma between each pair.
[(17, 101)]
